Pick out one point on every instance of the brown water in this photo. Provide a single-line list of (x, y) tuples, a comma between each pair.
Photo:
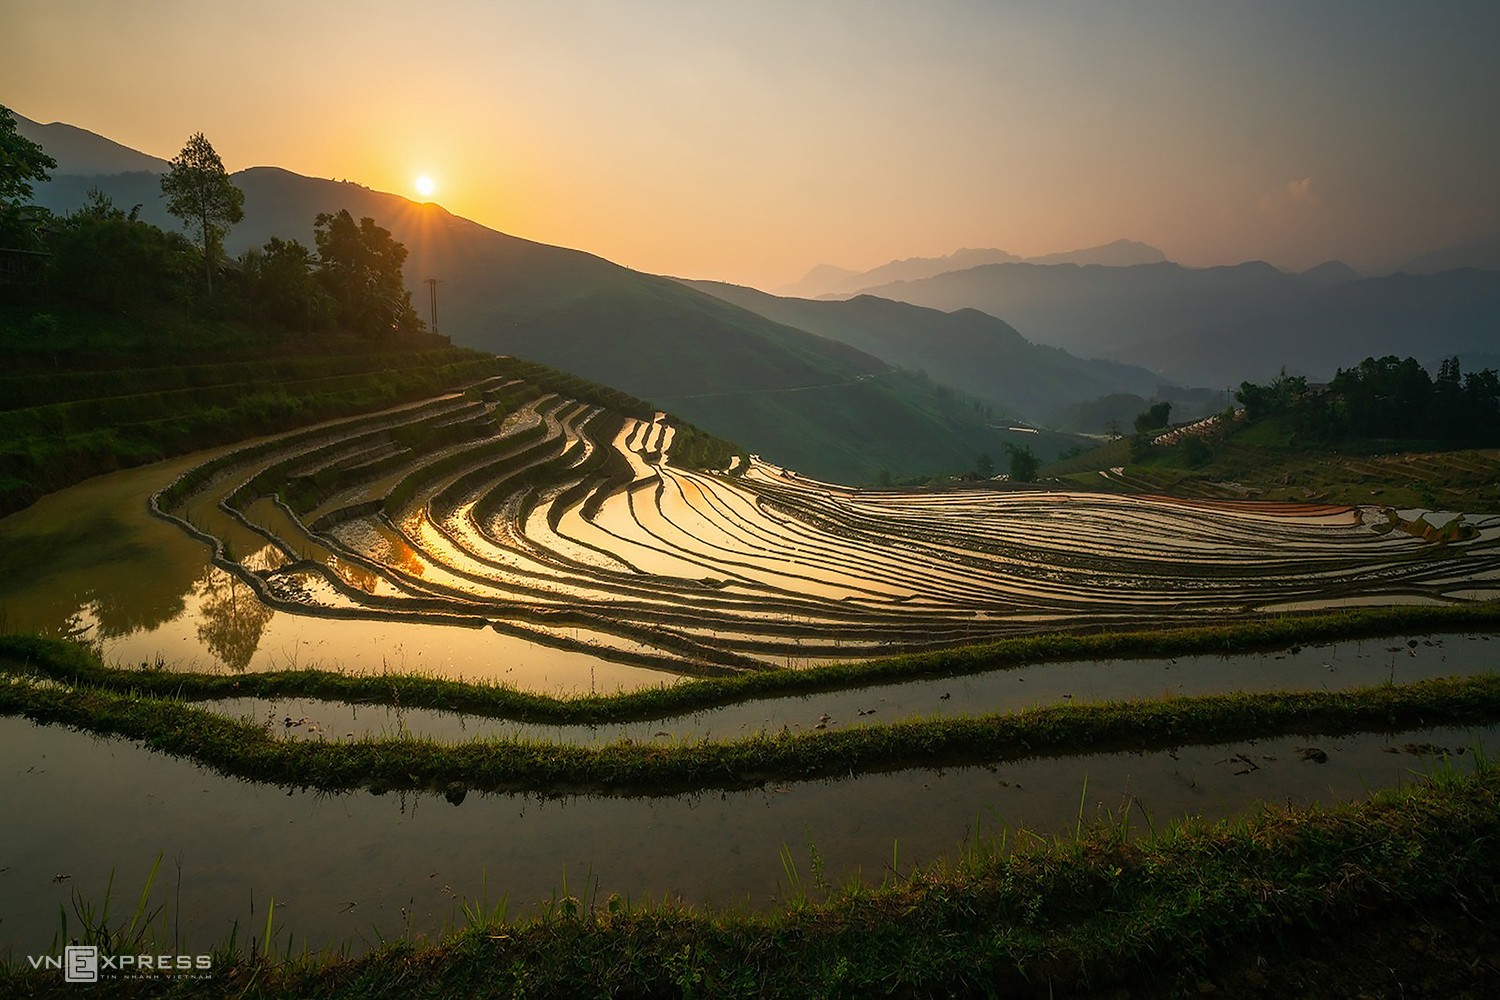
[(343, 868), (91, 562)]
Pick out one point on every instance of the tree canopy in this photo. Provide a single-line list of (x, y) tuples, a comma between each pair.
[(1024, 463), (200, 193), (360, 266), (112, 260), (285, 288), (1154, 417), (1387, 397), (22, 162)]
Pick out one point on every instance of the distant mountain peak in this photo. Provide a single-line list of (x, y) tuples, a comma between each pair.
[(1481, 253), (826, 279), (79, 152), (1330, 272), (1120, 253)]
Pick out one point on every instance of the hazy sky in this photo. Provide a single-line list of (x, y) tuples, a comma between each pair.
[(751, 140)]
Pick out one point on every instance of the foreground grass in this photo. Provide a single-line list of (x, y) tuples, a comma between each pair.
[(74, 664), (1195, 908)]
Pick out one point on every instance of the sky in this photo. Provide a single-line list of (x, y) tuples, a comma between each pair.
[(749, 140)]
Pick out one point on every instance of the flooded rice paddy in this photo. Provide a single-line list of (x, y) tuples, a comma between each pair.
[(352, 868), (555, 547), (1335, 666)]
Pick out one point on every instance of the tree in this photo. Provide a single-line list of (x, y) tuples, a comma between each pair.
[(21, 162), (110, 259), (199, 192), (1155, 416), (984, 466), (1024, 464), (360, 266), (284, 286)]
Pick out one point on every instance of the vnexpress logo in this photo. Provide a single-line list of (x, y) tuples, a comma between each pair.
[(81, 963)]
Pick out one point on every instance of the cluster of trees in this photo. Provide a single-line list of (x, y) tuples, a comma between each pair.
[(107, 257), (1385, 398), (1154, 417), (1024, 464)]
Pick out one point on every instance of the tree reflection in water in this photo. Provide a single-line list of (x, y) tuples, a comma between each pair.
[(231, 619)]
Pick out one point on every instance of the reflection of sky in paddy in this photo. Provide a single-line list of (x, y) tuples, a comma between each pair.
[(774, 568)]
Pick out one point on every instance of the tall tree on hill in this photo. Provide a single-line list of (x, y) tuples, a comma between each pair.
[(360, 265), (1024, 463), (21, 162), (199, 192)]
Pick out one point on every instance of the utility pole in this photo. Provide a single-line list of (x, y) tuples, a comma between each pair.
[(432, 284)]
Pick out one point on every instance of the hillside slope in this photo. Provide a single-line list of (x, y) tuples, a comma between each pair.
[(967, 349), (733, 372)]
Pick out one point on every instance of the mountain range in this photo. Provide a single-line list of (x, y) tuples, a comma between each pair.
[(806, 401), (818, 385), (1219, 326), (826, 280), (967, 349)]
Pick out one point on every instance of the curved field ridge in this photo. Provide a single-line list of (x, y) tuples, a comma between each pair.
[(541, 515)]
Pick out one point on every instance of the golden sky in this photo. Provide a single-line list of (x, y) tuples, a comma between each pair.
[(748, 140)]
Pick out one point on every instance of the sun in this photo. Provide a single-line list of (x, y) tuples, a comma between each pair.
[(425, 186)]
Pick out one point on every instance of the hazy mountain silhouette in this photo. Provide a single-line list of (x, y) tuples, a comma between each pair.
[(967, 349), (1330, 272), (802, 400), (827, 281), (1428, 317), (1221, 325), (1120, 253), (822, 278), (79, 151), (1482, 253)]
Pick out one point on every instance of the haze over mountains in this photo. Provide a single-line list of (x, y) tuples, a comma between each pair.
[(827, 280), (815, 404), (1202, 326), (810, 383), (1222, 325), (967, 349)]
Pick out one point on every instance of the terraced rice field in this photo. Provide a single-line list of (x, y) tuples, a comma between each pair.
[(539, 515)]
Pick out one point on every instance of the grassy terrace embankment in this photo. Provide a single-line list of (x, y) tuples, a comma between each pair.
[(112, 420), (71, 664), (245, 750), (51, 682)]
